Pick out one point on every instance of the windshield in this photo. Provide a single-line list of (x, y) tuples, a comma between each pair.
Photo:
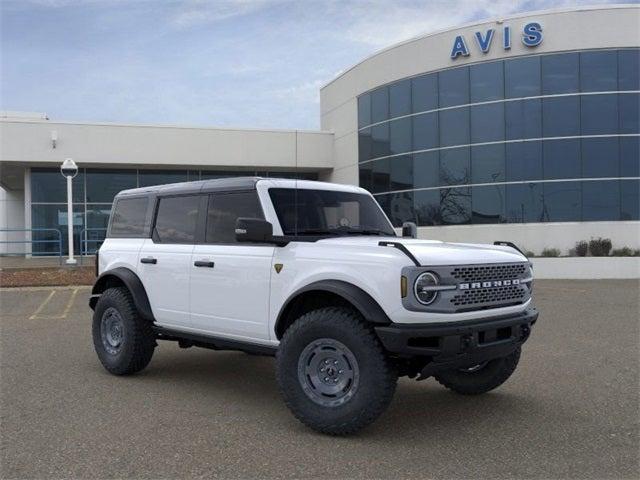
[(327, 212)]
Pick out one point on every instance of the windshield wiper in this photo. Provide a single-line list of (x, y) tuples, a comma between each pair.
[(371, 231)]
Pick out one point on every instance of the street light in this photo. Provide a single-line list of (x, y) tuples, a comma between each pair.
[(69, 170)]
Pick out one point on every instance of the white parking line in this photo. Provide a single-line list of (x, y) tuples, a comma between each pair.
[(63, 315), (42, 305)]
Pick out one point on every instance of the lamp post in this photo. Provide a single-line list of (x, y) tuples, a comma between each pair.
[(69, 170)]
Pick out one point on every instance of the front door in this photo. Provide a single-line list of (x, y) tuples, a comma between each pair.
[(230, 280)]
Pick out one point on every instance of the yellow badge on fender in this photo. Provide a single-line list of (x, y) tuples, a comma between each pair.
[(278, 267)]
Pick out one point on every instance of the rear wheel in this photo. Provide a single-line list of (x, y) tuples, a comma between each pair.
[(480, 378), (123, 340), (333, 373)]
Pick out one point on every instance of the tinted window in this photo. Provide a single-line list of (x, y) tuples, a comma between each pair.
[(629, 70), (400, 98), (523, 119), (129, 218), (224, 210), (562, 201), (380, 140), (401, 172), (600, 157), (599, 114), (364, 110), (103, 185), (424, 93), (364, 144), (453, 87), (400, 135), (488, 204), (48, 185), (454, 166), (381, 175), (629, 113), (561, 159), (52, 217), (176, 219), (426, 167), (524, 203), (366, 180), (455, 205), (400, 208), (427, 207), (487, 164), (600, 201), (630, 157), (161, 177), (425, 131), (630, 200), (379, 105), (487, 81), (598, 71), (560, 73), (522, 77), (454, 127), (487, 123), (523, 161), (561, 116)]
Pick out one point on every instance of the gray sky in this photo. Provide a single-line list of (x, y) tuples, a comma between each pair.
[(244, 63)]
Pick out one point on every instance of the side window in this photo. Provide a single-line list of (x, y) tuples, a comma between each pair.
[(224, 209), (129, 218), (177, 218)]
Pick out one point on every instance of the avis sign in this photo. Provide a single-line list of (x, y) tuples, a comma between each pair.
[(531, 37)]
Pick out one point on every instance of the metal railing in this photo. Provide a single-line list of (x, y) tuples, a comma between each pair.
[(57, 241), (91, 236)]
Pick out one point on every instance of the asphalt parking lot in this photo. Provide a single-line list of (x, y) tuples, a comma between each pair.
[(570, 410)]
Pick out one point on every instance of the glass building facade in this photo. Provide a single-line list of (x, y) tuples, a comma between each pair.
[(93, 194), (541, 138)]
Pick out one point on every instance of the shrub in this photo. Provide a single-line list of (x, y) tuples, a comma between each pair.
[(550, 252), (581, 248), (623, 252), (636, 252), (600, 247), (529, 254)]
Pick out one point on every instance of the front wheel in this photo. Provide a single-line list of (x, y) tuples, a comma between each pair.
[(333, 373), (480, 378)]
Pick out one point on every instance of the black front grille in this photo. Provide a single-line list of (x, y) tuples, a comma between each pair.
[(494, 296), (479, 273)]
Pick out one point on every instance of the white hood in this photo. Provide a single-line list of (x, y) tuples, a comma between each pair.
[(433, 252)]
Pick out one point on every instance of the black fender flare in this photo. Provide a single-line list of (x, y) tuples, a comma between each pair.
[(361, 301), (133, 284)]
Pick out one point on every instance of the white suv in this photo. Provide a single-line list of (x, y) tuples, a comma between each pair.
[(314, 274)]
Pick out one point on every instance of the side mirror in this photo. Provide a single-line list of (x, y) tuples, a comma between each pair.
[(253, 230), (409, 230)]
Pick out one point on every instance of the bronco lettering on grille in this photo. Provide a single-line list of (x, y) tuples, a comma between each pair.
[(489, 284)]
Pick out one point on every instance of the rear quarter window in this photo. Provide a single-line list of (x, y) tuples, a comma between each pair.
[(129, 218), (176, 219)]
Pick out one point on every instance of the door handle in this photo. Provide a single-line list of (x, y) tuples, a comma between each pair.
[(203, 263), (149, 260)]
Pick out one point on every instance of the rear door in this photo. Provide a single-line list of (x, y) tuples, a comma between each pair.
[(230, 280), (165, 259)]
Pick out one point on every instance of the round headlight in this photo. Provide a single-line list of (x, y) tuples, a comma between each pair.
[(423, 293)]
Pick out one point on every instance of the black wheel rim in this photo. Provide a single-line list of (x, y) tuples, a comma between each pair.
[(111, 330), (328, 372)]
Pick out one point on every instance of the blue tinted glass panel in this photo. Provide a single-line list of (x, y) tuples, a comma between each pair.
[(424, 92), (427, 207), (380, 140), (488, 204), (600, 157), (364, 144), (454, 127), (562, 201), (487, 164), (455, 205), (401, 172), (364, 110), (379, 104), (560, 73), (599, 71), (453, 87), (600, 201), (455, 166), (425, 131), (381, 176), (630, 156), (401, 208), (213, 174), (487, 81), (630, 200), (400, 135), (523, 161), (48, 185), (54, 217), (599, 114), (103, 185), (524, 203), (629, 70), (561, 159), (426, 169), (523, 119), (487, 123), (383, 201), (400, 98), (561, 116), (366, 177), (629, 113), (149, 178), (522, 77)]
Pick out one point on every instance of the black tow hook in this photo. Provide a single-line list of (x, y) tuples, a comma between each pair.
[(466, 342), (526, 331)]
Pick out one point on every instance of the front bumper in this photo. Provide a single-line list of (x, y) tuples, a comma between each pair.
[(447, 346)]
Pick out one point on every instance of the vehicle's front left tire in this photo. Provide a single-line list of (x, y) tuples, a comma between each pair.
[(122, 339), (333, 373)]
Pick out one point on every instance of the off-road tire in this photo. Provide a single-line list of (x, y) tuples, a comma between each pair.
[(377, 377), (138, 340), (490, 376)]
